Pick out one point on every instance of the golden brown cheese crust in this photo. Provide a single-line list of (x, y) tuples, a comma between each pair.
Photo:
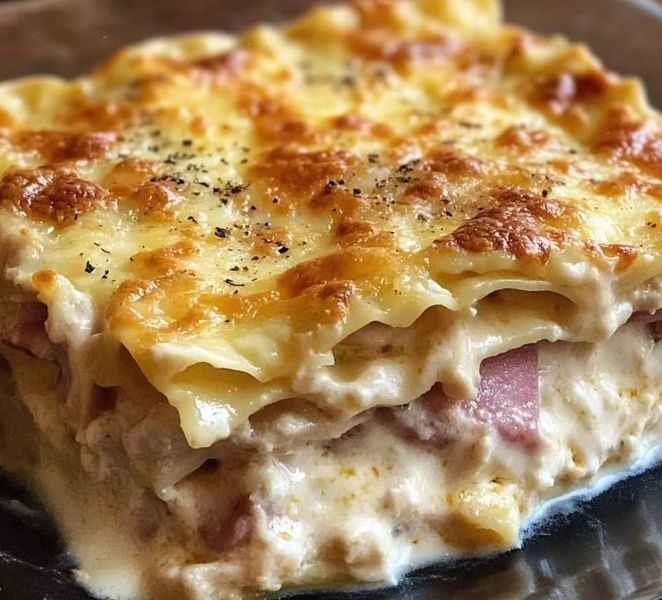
[(204, 189), (623, 136), (59, 146), (54, 192), (515, 224)]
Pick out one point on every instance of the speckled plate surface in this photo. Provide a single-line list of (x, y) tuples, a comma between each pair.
[(607, 548)]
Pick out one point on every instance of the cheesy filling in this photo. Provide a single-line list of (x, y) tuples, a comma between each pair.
[(388, 270), (365, 506)]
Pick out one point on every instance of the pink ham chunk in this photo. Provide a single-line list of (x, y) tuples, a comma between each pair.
[(508, 399), (508, 396), (647, 317), (231, 530), (25, 330)]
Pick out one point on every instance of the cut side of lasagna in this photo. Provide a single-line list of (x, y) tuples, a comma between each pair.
[(321, 303)]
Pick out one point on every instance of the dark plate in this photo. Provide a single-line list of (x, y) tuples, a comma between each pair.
[(609, 548)]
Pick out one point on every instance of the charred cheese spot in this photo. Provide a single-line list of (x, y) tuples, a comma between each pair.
[(502, 228), (520, 139), (376, 13), (430, 188), (299, 173), (164, 260), (625, 255), (362, 233), (285, 131), (59, 146), (345, 265), (6, 118), (455, 163), (517, 224), (360, 123), (53, 193), (98, 115), (625, 137), (627, 182), (128, 175), (43, 279), (335, 299), (154, 198), (159, 301), (273, 121), (561, 92), (336, 201)]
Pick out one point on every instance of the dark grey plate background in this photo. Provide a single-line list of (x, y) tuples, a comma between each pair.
[(610, 548)]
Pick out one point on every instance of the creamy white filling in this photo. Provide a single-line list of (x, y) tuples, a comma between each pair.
[(364, 507), (216, 388)]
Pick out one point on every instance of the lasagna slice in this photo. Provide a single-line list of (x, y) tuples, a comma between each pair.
[(321, 303)]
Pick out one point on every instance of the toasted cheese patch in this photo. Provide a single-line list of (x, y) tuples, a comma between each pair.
[(625, 137), (235, 208), (53, 193), (61, 146)]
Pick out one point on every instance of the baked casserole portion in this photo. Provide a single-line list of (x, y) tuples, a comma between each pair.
[(323, 302)]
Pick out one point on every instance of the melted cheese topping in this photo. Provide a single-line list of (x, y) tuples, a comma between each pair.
[(235, 211)]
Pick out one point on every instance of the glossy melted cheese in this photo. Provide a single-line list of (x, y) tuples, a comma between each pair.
[(237, 211)]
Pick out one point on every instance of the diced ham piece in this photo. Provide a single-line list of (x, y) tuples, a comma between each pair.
[(508, 396), (508, 399), (230, 530), (25, 330), (647, 317)]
